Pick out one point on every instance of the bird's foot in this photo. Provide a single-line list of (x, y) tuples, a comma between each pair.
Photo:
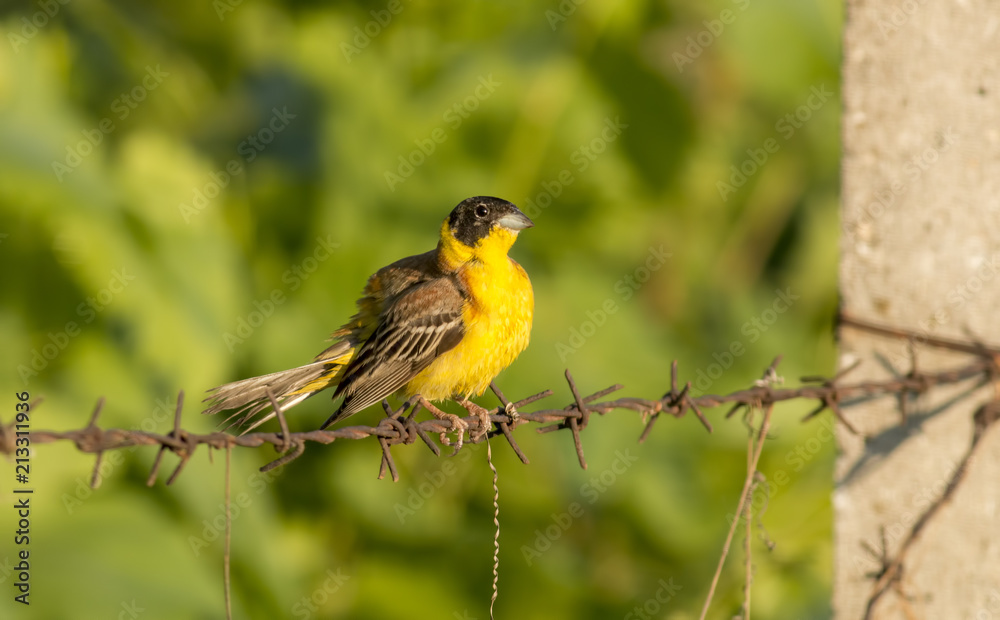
[(458, 425), (485, 424)]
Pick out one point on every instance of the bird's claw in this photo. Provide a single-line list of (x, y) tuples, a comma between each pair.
[(484, 424), (459, 427), (483, 415)]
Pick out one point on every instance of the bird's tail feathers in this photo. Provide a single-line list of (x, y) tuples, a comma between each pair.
[(250, 403)]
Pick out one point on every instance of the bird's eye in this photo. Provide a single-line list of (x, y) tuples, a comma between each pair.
[(482, 211)]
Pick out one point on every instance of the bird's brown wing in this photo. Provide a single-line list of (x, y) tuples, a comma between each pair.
[(417, 326), (381, 291)]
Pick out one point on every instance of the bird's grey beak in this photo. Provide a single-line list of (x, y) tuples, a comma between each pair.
[(515, 221)]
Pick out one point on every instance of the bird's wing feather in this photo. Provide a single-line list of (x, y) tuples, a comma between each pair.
[(380, 292), (418, 326)]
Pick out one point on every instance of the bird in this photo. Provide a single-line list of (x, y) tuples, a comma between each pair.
[(434, 326)]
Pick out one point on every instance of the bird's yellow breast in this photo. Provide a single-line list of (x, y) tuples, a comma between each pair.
[(497, 316)]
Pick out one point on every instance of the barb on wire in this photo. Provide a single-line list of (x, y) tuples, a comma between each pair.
[(515, 416)]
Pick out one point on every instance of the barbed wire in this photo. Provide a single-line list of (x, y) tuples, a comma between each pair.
[(400, 426)]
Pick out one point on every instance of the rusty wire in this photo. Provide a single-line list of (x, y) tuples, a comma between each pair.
[(398, 428)]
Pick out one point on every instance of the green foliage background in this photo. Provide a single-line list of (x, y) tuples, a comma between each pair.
[(694, 102)]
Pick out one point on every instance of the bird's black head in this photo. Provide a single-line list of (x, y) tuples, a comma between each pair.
[(475, 218)]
